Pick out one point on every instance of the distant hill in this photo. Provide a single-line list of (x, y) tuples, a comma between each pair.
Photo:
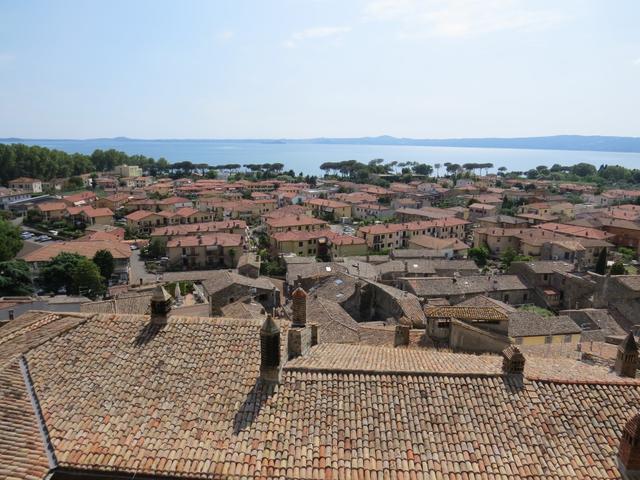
[(557, 142)]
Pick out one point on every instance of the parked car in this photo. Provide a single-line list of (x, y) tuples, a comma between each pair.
[(26, 235), (54, 232), (43, 238)]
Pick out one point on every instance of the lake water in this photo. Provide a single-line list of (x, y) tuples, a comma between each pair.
[(308, 157)]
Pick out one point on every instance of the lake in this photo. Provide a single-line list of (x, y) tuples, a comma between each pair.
[(307, 157)]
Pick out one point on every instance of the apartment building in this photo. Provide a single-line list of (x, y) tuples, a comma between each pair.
[(397, 235), (211, 250)]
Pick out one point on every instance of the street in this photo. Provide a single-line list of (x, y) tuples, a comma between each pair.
[(138, 270)]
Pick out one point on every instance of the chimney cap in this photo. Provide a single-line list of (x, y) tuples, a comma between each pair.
[(632, 427), (629, 344), (160, 294), (269, 326), (512, 352), (299, 293)]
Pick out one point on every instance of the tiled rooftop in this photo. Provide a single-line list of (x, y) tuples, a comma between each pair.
[(183, 400)]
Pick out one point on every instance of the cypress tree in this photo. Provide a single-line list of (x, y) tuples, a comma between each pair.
[(601, 266)]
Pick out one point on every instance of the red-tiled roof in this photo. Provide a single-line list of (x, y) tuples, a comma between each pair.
[(412, 226), (87, 249), (51, 206), (221, 239), (293, 221)]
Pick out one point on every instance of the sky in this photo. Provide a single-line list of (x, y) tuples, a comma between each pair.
[(311, 68)]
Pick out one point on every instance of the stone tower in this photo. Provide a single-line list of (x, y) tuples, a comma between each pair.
[(270, 351), (627, 357)]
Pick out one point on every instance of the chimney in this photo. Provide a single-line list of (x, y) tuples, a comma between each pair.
[(512, 360), (627, 357), (314, 334), (160, 305), (270, 351), (299, 308), (401, 337), (629, 451)]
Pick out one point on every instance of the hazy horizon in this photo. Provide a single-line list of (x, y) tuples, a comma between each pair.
[(436, 69)]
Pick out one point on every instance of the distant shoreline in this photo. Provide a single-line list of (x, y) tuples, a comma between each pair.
[(557, 142)]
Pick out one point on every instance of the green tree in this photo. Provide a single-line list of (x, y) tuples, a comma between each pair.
[(618, 269), (423, 169), (157, 247), (106, 264), (601, 264), (75, 183), (33, 217), (10, 241), (627, 253), (509, 256), (86, 279), (479, 255), (57, 273), (15, 278)]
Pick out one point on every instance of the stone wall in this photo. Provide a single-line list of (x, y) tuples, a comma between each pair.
[(235, 292), (465, 337)]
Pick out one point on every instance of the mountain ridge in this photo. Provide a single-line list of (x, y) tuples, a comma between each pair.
[(601, 143)]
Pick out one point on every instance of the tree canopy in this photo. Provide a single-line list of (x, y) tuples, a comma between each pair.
[(73, 272), (10, 241), (105, 262), (15, 278)]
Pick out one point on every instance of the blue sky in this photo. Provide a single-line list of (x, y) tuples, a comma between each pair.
[(295, 68)]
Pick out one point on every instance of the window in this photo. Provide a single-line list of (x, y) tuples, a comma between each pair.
[(505, 298), (299, 244), (548, 339), (545, 277), (525, 297), (567, 338)]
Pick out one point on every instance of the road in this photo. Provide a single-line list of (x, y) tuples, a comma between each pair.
[(138, 270)]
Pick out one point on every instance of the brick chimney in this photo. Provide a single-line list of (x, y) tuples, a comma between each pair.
[(160, 305), (301, 335), (627, 357), (270, 351), (512, 360), (401, 337), (629, 452), (299, 297)]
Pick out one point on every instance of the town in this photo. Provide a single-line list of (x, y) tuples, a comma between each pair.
[(380, 320)]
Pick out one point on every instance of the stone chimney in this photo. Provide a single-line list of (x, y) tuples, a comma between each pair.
[(270, 351), (299, 308), (301, 336), (401, 337), (629, 452), (160, 305), (512, 360), (627, 357)]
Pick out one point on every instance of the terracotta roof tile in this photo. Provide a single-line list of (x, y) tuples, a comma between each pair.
[(183, 400)]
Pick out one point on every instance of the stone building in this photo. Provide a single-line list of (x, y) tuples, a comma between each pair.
[(223, 287)]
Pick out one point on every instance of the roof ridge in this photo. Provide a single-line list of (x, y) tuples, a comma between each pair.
[(37, 410)]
